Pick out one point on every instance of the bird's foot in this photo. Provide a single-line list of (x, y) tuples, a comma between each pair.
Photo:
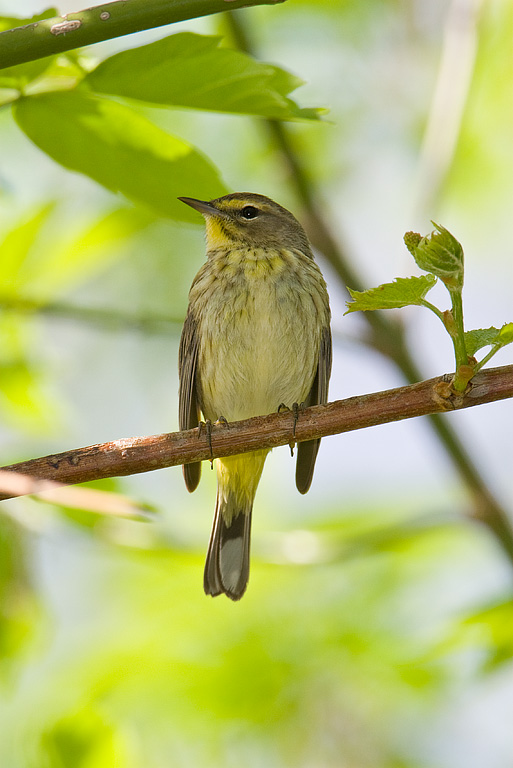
[(296, 409), (207, 426)]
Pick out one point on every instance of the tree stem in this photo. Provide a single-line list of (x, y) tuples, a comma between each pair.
[(104, 22)]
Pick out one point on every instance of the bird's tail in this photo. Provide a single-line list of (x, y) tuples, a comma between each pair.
[(227, 566)]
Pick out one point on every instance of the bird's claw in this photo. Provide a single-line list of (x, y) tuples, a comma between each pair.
[(296, 408), (207, 426)]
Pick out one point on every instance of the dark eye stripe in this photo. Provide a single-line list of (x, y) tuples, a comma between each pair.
[(249, 212)]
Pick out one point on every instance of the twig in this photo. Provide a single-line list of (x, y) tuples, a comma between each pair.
[(107, 319), (13, 484), (104, 22)]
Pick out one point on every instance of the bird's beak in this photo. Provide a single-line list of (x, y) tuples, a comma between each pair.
[(207, 209)]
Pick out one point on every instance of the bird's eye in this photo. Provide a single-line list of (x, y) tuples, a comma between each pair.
[(249, 212)]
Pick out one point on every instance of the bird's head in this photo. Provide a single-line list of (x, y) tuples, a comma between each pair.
[(245, 219)]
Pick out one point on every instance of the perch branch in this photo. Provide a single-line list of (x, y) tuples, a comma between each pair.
[(144, 454)]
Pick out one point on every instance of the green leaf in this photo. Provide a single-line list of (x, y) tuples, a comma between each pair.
[(120, 149), (24, 398), (506, 334), (17, 77), (16, 248), (38, 259), (52, 73), (492, 629), (18, 616), (479, 338), (82, 739), (93, 249), (485, 337), (189, 70), (439, 253), (403, 292)]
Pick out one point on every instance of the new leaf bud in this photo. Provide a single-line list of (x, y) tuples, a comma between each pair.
[(439, 253)]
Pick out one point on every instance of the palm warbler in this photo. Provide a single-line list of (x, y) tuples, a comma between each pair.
[(256, 336)]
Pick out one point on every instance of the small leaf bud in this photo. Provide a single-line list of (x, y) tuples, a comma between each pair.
[(441, 254), (411, 241)]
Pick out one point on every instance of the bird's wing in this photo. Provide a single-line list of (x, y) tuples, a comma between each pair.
[(307, 451), (188, 409)]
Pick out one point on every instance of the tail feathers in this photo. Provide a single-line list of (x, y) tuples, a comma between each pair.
[(227, 566), (306, 455)]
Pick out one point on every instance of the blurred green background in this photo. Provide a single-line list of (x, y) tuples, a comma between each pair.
[(377, 630)]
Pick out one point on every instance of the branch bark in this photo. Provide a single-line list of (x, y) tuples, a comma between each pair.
[(104, 22), (143, 454)]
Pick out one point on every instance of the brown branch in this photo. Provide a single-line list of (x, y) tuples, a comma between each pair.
[(143, 454)]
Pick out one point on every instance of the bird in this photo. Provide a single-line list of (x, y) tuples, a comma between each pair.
[(256, 338)]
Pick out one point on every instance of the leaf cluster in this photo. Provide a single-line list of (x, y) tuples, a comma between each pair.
[(441, 256), (89, 117)]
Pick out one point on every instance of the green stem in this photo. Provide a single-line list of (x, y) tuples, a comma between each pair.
[(435, 310), (464, 371), (104, 22), (458, 339), (487, 357)]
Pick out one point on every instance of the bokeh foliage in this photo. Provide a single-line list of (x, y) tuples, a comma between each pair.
[(374, 614)]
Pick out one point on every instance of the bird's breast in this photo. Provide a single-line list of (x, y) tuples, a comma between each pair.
[(260, 317)]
